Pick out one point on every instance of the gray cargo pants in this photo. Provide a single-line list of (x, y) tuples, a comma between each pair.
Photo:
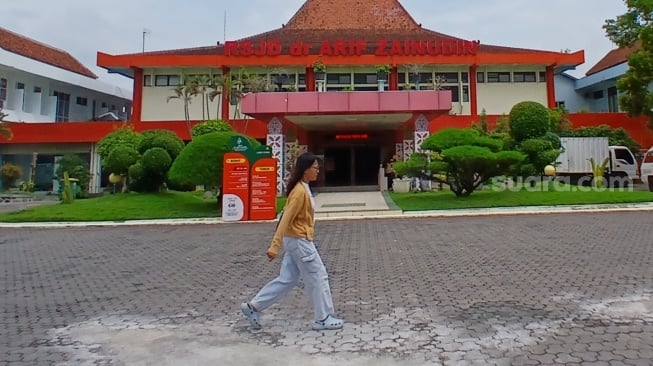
[(301, 260)]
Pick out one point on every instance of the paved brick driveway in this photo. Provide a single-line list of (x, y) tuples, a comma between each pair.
[(513, 290)]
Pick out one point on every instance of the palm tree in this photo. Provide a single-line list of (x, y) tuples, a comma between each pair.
[(4, 127), (217, 87), (204, 83), (185, 91)]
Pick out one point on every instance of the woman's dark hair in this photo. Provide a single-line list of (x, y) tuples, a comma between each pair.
[(304, 161)]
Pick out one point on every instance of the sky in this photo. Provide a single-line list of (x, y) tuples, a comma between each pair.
[(84, 27)]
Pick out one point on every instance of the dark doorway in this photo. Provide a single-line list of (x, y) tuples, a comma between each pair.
[(366, 163), (337, 166), (351, 166)]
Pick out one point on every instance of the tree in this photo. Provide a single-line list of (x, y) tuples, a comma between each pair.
[(151, 172), (634, 29), (185, 92), (124, 136), (119, 161), (467, 159), (216, 88), (200, 163), (211, 126), (76, 168), (539, 152), (9, 173), (529, 120), (165, 139), (4, 127)]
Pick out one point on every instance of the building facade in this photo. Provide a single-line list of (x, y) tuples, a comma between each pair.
[(354, 82), (43, 86)]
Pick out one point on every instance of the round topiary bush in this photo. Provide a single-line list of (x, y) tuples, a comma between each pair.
[(200, 163), (120, 159), (164, 139), (156, 161), (529, 120)]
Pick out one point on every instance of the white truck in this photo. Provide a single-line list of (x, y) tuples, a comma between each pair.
[(574, 161)]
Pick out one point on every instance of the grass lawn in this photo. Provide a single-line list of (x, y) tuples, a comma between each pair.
[(171, 205), (129, 206), (445, 199)]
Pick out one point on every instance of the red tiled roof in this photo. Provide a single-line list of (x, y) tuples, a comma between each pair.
[(359, 14), (27, 47), (320, 20), (613, 58)]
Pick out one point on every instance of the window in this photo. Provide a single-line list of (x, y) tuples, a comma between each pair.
[(365, 79), (597, 94), (524, 77), (447, 77), (62, 113), (613, 99), (167, 80), (560, 104), (542, 77), (82, 101), (498, 77), (20, 86), (648, 158), (3, 91), (37, 89), (455, 92), (480, 77), (147, 80), (625, 155), (339, 79)]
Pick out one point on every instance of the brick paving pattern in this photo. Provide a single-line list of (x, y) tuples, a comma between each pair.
[(572, 289)]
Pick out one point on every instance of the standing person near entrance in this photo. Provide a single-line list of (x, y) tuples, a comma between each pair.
[(390, 170), (301, 259)]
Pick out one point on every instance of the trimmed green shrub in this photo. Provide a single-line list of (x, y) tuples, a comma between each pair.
[(164, 139), (120, 159), (125, 136), (529, 120), (211, 126), (200, 163), (151, 171), (464, 159)]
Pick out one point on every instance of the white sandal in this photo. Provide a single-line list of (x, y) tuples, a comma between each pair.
[(330, 323)]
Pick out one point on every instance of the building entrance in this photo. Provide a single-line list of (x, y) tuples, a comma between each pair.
[(351, 166)]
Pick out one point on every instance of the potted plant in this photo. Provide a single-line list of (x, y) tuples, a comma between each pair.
[(401, 184), (382, 71), (320, 69)]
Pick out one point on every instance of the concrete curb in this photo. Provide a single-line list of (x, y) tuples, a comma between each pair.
[(352, 215)]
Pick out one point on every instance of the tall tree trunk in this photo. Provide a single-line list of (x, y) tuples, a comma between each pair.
[(208, 114)]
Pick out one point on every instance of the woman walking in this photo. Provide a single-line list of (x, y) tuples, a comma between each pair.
[(301, 259)]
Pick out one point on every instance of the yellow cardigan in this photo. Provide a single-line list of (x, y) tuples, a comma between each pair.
[(297, 220)]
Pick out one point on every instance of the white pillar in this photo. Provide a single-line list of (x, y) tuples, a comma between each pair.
[(95, 170)]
